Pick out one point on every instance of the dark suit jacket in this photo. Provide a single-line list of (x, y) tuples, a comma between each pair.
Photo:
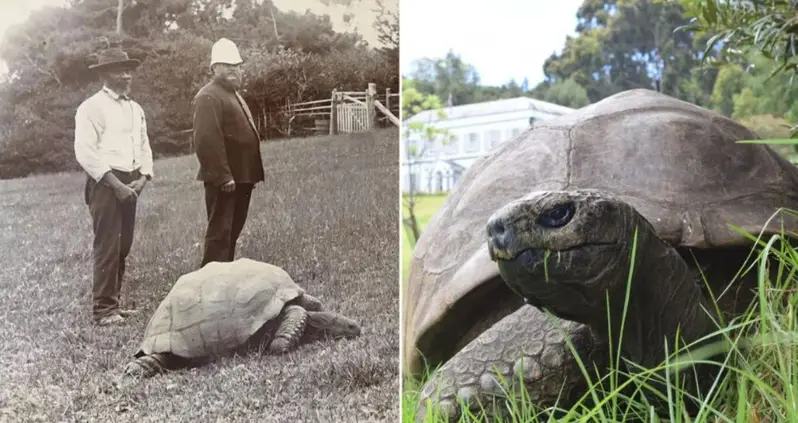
[(226, 141)]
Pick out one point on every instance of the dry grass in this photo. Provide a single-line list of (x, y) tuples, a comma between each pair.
[(328, 213)]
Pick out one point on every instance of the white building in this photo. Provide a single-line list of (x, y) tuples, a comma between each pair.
[(477, 128)]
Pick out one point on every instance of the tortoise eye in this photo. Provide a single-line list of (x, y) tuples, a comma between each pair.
[(557, 216)]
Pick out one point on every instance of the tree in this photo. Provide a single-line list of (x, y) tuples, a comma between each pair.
[(446, 76), (415, 133), (628, 44), (120, 7), (769, 26), (745, 32), (567, 93), (452, 77), (387, 26), (744, 104), (730, 81)]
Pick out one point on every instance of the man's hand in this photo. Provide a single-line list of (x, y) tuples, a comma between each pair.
[(125, 193), (229, 186), (138, 184)]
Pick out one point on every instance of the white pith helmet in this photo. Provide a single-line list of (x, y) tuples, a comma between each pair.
[(225, 51)]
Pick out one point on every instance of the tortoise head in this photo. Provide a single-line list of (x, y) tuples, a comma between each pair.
[(561, 249), (331, 325)]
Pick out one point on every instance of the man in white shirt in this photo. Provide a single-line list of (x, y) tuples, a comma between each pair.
[(112, 146)]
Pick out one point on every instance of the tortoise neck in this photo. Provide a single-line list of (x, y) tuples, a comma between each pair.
[(666, 308)]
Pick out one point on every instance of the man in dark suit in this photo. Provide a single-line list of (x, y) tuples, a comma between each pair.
[(227, 145)]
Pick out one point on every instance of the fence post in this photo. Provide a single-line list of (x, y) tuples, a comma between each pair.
[(388, 98), (370, 93), (334, 112)]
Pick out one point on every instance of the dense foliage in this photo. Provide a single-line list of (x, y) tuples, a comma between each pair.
[(290, 57)]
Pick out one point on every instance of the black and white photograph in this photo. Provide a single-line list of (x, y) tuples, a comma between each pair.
[(199, 210)]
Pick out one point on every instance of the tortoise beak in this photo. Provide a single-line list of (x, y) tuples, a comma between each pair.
[(522, 270), (503, 240)]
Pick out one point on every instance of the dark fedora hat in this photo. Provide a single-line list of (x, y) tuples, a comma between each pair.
[(114, 58)]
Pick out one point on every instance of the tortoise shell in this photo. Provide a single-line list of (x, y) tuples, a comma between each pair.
[(677, 163), (217, 308)]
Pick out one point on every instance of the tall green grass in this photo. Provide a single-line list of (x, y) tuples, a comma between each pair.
[(756, 382)]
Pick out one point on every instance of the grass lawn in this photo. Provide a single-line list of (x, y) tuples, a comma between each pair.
[(327, 213), (426, 207)]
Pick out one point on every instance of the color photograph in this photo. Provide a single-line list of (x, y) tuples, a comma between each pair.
[(599, 210)]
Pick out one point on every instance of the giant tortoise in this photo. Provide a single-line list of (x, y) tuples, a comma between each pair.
[(225, 307), (545, 222)]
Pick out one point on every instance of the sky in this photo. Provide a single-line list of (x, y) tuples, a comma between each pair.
[(502, 39)]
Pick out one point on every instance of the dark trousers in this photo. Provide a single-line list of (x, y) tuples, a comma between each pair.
[(227, 213), (113, 223)]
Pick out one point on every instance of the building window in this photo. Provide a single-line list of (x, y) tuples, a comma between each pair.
[(432, 148), (515, 132), (472, 143), (494, 138), (532, 121), (452, 146)]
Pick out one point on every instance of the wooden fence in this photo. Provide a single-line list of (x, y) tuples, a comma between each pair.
[(346, 112), (343, 112)]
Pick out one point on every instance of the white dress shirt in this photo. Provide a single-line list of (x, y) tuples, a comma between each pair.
[(111, 133)]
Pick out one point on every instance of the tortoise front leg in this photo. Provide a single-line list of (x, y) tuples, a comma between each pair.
[(526, 346), (148, 365), (291, 327)]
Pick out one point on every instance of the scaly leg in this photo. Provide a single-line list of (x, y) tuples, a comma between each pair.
[(291, 327), (148, 365), (527, 346)]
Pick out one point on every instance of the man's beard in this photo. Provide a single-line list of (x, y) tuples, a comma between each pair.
[(120, 87), (231, 81)]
